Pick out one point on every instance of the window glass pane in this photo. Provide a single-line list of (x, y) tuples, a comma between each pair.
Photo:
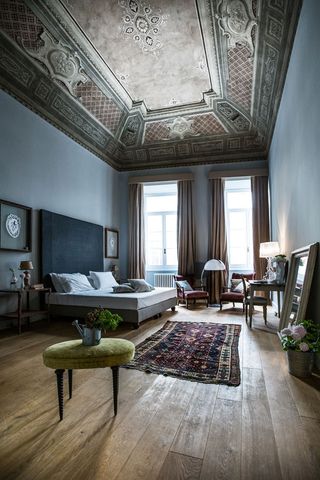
[(239, 200), (154, 247), (171, 240), (161, 203)]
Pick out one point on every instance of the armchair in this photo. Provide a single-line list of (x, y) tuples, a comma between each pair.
[(186, 294), (234, 293)]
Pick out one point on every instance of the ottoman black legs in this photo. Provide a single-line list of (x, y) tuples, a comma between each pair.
[(115, 381), (60, 372)]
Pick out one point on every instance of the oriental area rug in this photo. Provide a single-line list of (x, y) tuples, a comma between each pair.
[(195, 351)]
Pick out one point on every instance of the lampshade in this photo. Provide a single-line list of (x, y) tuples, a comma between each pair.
[(26, 265), (269, 249), (214, 265)]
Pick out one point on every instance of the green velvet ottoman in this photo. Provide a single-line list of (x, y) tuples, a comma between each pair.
[(70, 355)]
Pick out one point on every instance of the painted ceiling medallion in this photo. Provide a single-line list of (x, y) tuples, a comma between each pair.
[(142, 24), (181, 127), (62, 63), (236, 20)]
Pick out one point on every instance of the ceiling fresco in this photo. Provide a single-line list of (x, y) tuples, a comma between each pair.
[(149, 84)]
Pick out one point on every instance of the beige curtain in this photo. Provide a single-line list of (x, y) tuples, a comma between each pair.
[(185, 228), (136, 232), (260, 221), (218, 240)]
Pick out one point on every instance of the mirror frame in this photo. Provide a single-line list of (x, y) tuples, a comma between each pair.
[(311, 251)]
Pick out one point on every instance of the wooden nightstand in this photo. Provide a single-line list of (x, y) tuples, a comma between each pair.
[(21, 312)]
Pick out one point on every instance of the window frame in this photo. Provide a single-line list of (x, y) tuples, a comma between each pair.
[(164, 266), (248, 213)]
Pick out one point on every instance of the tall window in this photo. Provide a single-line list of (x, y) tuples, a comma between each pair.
[(161, 226), (238, 206)]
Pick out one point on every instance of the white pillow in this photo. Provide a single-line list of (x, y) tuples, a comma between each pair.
[(57, 283), (103, 280), (70, 282)]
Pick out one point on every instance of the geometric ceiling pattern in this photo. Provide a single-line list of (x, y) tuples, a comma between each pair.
[(151, 84)]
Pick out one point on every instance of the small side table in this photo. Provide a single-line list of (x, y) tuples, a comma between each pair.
[(21, 313)]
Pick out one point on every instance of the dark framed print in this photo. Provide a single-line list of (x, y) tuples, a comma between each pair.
[(15, 227), (112, 243)]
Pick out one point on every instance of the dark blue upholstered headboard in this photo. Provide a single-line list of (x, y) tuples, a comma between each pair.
[(69, 245)]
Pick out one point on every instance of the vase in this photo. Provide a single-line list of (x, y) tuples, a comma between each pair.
[(300, 363), (13, 282)]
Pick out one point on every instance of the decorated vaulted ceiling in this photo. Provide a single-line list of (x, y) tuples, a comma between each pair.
[(148, 84)]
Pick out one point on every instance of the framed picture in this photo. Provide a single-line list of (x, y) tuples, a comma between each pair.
[(15, 227), (112, 243)]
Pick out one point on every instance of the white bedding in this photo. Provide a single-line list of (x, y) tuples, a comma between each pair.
[(108, 299)]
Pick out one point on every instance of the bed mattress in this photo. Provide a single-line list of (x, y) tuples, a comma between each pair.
[(108, 299)]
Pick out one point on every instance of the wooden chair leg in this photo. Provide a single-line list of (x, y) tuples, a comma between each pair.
[(70, 383), (220, 306), (59, 373), (265, 314), (115, 381), (233, 304)]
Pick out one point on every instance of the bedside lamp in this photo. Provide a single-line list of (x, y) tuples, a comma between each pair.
[(269, 250), (26, 266)]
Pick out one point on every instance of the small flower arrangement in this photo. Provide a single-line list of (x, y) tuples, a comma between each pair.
[(103, 319), (302, 337)]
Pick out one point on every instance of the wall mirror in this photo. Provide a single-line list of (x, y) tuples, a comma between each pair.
[(296, 295)]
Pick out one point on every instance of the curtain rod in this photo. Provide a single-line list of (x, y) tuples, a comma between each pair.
[(165, 177), (249, 172)]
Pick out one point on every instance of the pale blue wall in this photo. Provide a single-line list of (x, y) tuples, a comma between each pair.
[(43, 168), (295, 151)]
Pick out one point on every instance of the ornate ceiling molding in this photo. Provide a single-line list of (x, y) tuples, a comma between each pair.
[(62, 63), (236, 20), (58, 72)]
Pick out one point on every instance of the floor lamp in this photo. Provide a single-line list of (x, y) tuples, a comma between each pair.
[(212, 265)]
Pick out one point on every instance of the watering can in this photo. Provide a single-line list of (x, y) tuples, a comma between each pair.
[(90, 336)]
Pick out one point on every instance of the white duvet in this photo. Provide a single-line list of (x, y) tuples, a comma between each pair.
[(108, 299)]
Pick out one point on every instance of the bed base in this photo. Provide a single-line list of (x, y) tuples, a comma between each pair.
[(130, 316)]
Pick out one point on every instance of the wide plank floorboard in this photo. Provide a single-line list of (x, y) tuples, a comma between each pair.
[(166, 428)]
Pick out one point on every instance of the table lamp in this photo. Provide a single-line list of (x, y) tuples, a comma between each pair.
[(26, 266), (269, 250)]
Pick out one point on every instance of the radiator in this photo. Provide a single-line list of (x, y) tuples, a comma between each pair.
[(163, 280)]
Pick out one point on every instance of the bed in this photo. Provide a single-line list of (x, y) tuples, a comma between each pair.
[(69, 245)]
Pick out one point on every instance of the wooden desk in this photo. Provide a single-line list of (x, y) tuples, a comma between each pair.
[(262, 286), (21, 313)]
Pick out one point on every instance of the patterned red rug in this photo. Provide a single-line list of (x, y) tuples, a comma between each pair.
[(196, 351)]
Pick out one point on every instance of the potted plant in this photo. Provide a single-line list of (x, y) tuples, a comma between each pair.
[(301, 341), (95, 321)]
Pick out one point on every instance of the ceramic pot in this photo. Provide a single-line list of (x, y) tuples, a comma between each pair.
[(300, 363)]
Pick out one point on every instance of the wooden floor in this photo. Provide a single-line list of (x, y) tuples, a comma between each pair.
[(267, 428)]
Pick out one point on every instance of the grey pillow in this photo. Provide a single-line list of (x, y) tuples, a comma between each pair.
[(139, 285), (125, 288), (185, 285)]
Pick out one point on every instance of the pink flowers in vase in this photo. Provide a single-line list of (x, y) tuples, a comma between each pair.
[(303, 337)]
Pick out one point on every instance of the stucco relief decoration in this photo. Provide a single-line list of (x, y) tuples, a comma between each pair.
[(130, 132), (180, 128), (61, 62), (236, 20), (239, 122), (142, 24)]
